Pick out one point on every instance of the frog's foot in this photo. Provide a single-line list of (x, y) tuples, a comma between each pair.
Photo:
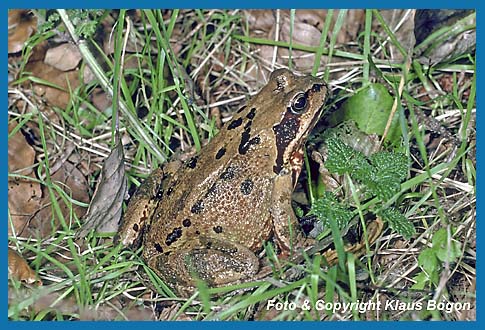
[(297, 246), (374, 230), (214, 261)]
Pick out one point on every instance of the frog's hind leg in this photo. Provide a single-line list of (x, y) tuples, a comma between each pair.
[(215, 262)]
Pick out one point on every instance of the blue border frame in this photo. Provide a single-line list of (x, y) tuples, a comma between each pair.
[(424, 4), (444, 4)]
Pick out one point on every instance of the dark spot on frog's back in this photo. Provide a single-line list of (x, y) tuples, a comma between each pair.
[(136, 227), (159, 193), (192, 162), (171, 188), (235, 123), (228, 174), (251, 113), (247, 186), (246, 142), (241, 109), (198, 207), (217, 229), (173, 236), (158, 247), (186, 223), (211, 190), (220, 153)]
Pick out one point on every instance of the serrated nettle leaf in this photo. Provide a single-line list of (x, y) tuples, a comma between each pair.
[(361, 169), (386, 188), (398, 222), (391, 164), (339, 156), (328, 209), (383, 192)]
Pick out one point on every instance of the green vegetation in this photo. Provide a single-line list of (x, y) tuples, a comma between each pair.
[(169, 76)]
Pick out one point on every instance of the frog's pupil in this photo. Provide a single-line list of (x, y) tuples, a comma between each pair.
[(299, 103)]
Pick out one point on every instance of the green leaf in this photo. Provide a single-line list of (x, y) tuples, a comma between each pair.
[(370, 109), (382, 176), (343, 159), (328, 208), (392, 165), (427, 260), (421, 280), (398, 222), (440, 246), (389, 169), (383, 187)]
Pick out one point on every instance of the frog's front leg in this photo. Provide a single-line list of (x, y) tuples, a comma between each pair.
[(140, 210), (285, 224), (213, 261), (143, 204)]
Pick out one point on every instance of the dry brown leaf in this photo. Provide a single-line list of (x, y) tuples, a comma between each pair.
[(404, 34), (100, 99), (168, 314), (54, 96), (105, 209), (28, 202), (20, 270), (21, 25), (260, 21), (45, 300), (71, 180), (112, 312), (64, 57), (23, 202), (452, 45), (21, 155), (307, 31), (23, 194)]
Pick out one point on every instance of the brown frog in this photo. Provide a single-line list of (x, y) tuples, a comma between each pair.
[(207, 218)]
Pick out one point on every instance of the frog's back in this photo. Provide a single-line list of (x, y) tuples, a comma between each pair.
[(220, 193)]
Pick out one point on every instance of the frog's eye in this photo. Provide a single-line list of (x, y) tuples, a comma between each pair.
[(299, 103)]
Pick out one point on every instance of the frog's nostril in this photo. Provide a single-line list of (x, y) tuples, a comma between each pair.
[(316, 87)]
